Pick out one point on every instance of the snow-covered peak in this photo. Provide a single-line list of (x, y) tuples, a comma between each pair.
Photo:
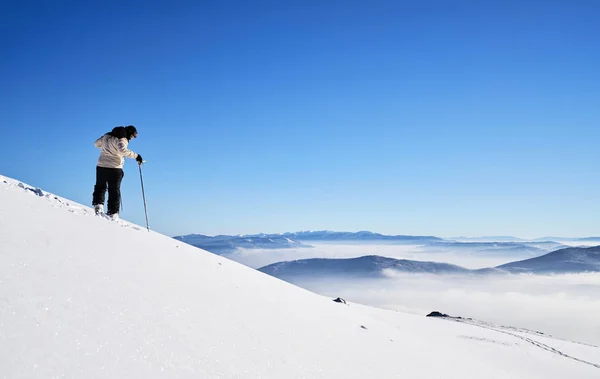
[(84, 297)]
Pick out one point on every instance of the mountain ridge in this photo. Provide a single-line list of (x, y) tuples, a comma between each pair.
[(365, 266), (567, 260)]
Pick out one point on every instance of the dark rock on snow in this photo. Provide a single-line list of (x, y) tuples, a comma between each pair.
[(437, 314), (340, 300)]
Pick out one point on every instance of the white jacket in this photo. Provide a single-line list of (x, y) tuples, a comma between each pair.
[(113, 151)]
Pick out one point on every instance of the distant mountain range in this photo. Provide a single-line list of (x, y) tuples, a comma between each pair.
[(517, 239), (226, 244), (546, 253), (487, 239), (363, 236), (568, 260), (494, 248), (367, 266), (567, 239), (223, 244)]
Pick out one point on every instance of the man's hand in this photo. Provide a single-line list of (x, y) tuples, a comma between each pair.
[(139, 159)]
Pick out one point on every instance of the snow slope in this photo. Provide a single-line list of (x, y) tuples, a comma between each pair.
[(84, 297)]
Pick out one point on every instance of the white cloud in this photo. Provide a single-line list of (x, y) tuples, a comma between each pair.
[(261, 257)]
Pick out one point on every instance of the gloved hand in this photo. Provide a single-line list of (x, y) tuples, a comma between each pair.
[(139, 159)]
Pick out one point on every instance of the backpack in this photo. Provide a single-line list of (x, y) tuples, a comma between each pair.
[(118, 132)]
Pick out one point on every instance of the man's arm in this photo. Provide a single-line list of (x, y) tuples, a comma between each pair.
[(123, 150)]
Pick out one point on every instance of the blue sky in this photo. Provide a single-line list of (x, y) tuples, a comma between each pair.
[(431, 117)]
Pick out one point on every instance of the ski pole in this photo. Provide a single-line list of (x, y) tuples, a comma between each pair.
[(143, 195)]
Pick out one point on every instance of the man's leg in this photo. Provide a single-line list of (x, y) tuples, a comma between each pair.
[(114, 190), (100, 187)]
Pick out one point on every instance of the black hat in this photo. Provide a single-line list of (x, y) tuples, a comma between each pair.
[(131, 131)]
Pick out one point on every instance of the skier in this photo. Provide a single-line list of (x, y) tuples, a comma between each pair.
[(109, 171)]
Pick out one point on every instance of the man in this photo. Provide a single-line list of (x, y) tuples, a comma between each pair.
[(109, 172)]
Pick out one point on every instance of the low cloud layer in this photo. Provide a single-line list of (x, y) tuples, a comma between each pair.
[(261, 257), (566, 306)]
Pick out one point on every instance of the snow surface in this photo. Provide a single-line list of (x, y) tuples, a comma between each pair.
[(85, 297)]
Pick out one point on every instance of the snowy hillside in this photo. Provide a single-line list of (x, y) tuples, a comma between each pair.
[(84, 297)]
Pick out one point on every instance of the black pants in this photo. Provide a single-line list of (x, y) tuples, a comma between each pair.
[(108, 178)]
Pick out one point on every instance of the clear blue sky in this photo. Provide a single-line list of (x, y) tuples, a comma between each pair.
[(432, 117)]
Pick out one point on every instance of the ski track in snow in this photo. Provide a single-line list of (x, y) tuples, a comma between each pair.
[(511, 332)]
